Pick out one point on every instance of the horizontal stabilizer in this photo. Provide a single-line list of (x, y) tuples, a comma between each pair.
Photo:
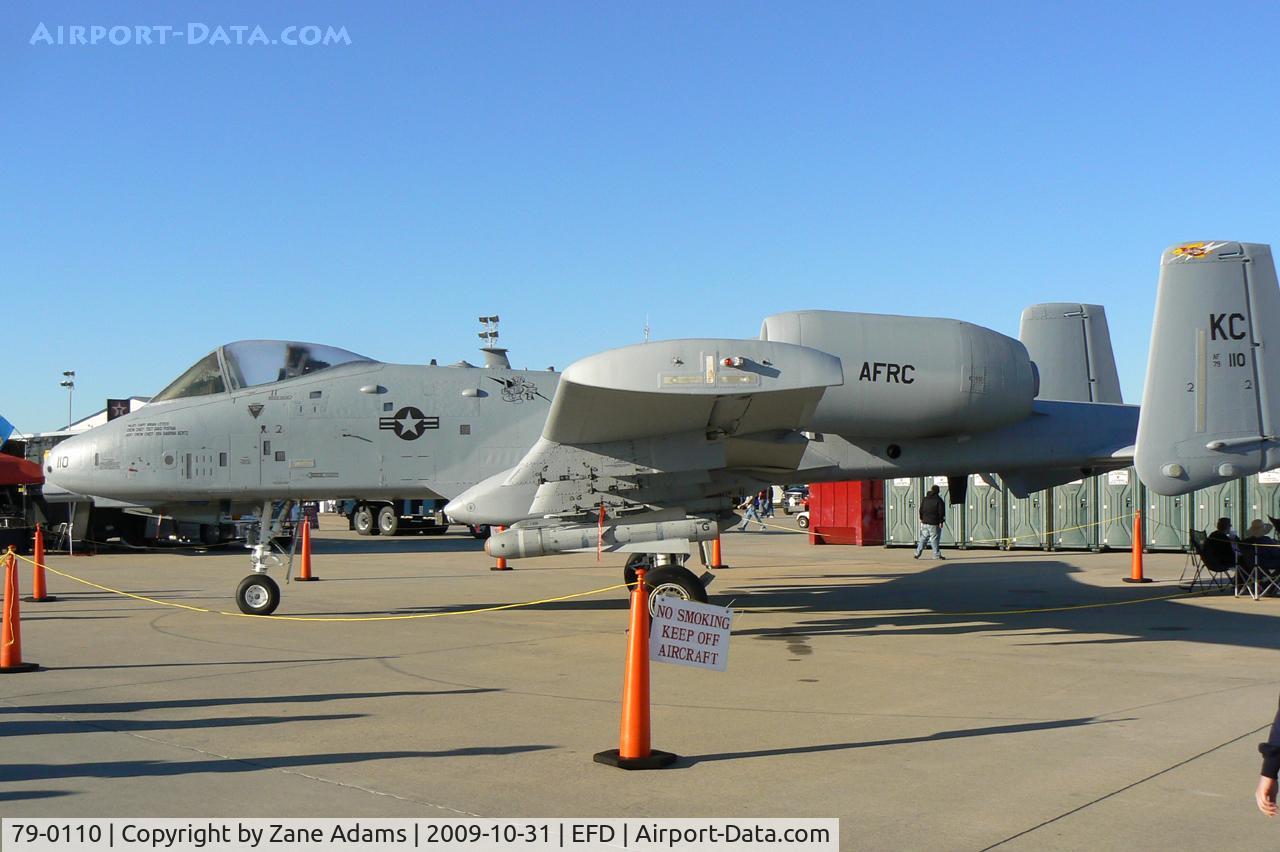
[(1209, 407)]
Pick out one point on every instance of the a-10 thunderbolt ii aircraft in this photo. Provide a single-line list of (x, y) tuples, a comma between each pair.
[(643, 449)]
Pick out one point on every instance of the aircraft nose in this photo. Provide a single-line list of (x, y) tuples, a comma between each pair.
[(460, 510), (68, 464)]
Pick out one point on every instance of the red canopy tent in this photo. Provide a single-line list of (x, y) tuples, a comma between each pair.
[(16, 471)]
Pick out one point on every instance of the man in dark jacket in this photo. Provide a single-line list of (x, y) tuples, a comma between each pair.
[(1270, 751), (932, 513)]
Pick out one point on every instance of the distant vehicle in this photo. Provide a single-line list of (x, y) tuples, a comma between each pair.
[(802, 520), (795, 499)]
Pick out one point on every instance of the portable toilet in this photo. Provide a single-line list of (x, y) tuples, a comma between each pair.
[(1027, 520), (984, 514), (1117, 504), (1074, 525), (901, 511)]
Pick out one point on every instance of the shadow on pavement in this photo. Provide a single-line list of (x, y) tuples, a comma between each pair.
[(40, 727), (961, 733), (170, 703), (168, 768)]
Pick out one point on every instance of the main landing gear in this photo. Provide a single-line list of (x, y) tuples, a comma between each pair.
[(257, 593), (667, 576)]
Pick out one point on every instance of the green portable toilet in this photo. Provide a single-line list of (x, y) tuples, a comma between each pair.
[(1026, 520), (1166, 521), (901, 511), (1225, 500), (1117, 503), (984, 514), (1262, 497), (1074, 523)]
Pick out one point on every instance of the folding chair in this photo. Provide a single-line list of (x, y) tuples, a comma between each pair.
[(1266, 572), (1208, 570)]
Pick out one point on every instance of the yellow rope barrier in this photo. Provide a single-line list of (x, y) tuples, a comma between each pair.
[(408, 617), (499, 607)]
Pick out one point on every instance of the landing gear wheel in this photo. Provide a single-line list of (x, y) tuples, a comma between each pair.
[(388, 521), (257, 594), (363, 521), (676, 582)]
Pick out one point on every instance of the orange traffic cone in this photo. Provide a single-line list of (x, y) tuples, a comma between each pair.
[(633, 751), (11, 633), (1135, 568), (305, 572), (716, 561), (38, 594), (501, 560)]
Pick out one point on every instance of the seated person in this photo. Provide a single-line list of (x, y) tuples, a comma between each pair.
[(1221, 546), (1258, 548)]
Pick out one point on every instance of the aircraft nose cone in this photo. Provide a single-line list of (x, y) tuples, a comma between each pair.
[(66, 465), (460, 509)]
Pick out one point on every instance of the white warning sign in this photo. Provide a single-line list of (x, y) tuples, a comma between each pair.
[(690, 634)]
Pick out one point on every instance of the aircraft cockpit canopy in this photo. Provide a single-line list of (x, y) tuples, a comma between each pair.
[(249, 363)]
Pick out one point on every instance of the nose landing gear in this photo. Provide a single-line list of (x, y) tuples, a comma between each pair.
[(257, 593)]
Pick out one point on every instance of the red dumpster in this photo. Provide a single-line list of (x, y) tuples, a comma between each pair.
[(847, 512)]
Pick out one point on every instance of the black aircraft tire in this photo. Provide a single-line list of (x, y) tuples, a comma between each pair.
[(362, 521), (257, 594), (674, 581), (388, 521)]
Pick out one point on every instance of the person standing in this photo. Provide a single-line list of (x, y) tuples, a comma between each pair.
[(933, 512)]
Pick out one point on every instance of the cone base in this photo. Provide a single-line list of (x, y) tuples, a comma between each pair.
[(305, 579), (1137, 579), (717, 567), (33, 599), (655, 760), (20, 667), (501, 568)]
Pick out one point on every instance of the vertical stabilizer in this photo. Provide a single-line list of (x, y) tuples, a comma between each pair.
[(1209, 407), (1071, 347)]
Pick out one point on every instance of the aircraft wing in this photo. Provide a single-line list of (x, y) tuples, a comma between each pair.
[(667, 424)]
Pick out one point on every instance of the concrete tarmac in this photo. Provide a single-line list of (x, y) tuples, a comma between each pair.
[(1020, 701)]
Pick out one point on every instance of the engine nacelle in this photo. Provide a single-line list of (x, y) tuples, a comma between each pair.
[(912, 377)]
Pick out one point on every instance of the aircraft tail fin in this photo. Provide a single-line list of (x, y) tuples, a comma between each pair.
[(1211, 403), (6, 429), (1071, 347)]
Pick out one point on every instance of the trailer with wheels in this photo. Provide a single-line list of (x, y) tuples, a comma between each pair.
[(396, 517)]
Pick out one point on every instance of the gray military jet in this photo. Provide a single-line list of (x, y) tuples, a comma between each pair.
[(643, 449), (258, 424)]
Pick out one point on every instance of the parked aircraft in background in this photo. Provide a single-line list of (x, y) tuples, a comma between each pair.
[(644, 449)]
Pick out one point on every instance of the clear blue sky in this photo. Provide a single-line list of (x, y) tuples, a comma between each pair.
[(575, 167)]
